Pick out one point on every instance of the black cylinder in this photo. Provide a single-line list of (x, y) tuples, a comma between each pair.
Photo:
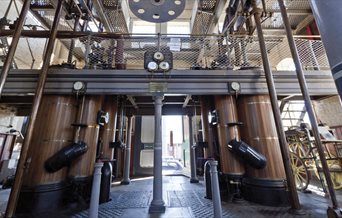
[(207, 180), (65, 156), (248, 154), (106, 181)]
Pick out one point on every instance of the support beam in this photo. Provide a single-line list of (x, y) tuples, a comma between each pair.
[(192, 148), (294, 200), (186, 101), (13, 199), (157, 204), (131, 99), (309, 108), (126, 180), (14, 44)]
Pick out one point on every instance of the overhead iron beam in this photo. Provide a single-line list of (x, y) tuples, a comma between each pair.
[(138, 82)]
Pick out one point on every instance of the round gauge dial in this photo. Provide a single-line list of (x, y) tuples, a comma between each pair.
[(235, 86), (78, 86)]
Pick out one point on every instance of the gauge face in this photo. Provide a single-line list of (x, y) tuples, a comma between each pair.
[(152, 66), (235, 86), (78, 86)]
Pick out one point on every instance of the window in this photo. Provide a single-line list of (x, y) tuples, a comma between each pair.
[(178, 28)]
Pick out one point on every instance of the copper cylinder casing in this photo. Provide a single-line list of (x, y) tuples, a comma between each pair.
[(107, 133), (227, 113), (83, 166), (52, 132), (205, 109), (259, 131)]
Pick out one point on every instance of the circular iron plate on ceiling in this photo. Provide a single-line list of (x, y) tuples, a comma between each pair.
[(157, 11)]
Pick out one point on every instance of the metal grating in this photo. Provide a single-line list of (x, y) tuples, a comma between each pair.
[(41, 3), (290, 4), (189, 52), (201, 23), (207, 5), (117, 20)]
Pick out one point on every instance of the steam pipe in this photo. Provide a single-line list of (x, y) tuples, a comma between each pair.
[(72, 43), (14, 44), (295, 205), (308, 104), (13, 199)]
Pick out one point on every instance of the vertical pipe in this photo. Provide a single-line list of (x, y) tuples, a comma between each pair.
[(295, 205), (72, 43), (192, 147), (215, 189), (308, 104), (14, 44), (119, 54), (12, 202), (206, 132), (157, 204), (95, 191), (125, 179), (327, 17)]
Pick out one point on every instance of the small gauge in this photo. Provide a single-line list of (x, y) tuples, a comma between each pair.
[(235, 86), (152, 66), (78, 86), (158, 56), (164, 66)]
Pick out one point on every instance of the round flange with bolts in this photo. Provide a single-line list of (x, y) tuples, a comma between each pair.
[(157, 11)]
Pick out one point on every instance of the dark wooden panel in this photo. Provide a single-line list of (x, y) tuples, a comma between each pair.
[(227, 113), (205, 109)]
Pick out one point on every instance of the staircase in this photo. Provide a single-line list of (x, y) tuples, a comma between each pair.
[(293, 114)]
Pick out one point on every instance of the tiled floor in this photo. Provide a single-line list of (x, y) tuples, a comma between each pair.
[(183, 199)]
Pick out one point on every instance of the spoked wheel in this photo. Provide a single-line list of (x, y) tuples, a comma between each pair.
[(300, 172)]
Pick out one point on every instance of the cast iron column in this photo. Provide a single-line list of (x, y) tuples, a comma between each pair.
[(95, 191), (14, 44), (308, 105), (192, 147), (295, 205), (125, 179), (13, 199), (215, 189), (157, 204), (328, 15)]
